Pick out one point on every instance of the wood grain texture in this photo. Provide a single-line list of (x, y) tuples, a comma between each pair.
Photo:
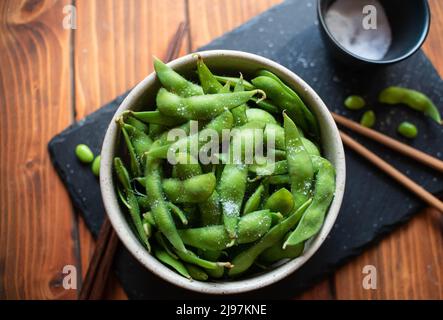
[(112, 51), (408, 261), (36, 219), (114, 45), (211, 19)]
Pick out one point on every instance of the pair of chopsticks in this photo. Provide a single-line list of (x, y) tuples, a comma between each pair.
[(107, 241), (385, 166), (98, 271)]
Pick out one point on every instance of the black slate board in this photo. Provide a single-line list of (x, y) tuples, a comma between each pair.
[(373, 204)]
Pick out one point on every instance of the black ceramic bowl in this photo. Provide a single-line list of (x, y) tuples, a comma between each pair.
[(409, 21)]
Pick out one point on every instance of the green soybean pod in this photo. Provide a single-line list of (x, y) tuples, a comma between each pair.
[(368, 119), (156, 117), (231, 189), (354, 102), (300, 167), (234, 80), (239, 113), (201, 107), (84, 153), (407, 129), (254, 200), (244, 260), (177, 265), (95, 167), (139, 125), (207, 80), (313, 218), (255, 114), (196, 272), (276, 252), (413, 99), (280, 201), (193, 190), (174, 82), (212, 255)]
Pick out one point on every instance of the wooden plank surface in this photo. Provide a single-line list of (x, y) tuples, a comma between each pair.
[(409, 261), (114, 45), (111, 51), (36, 220)]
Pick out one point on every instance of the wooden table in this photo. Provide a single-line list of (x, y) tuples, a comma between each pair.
[(51, 77)]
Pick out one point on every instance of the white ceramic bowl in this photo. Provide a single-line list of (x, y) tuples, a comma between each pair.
[(222, 61)]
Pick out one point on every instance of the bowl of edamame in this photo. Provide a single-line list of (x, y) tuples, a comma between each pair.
[(222, 172)]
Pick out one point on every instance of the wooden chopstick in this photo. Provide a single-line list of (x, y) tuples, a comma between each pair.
[(402, 148), (107, 240), (391, 171)]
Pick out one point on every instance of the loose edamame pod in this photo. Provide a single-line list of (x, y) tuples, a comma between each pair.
[(201, 107), (407, 129), (301, 172), (83, 153), (244, 260), (174, 82), (368, 119), (193, 190), (314, 216), (354, 102), (413, 99)]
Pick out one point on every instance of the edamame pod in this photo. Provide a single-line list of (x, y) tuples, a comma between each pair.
[(156, 117), (280, 201), (193, 190), (251, 227), (201, 107), (244, 260), (174, 82), (314, 216), (413, 99), (301, 172), (231, 190), (158, 205)]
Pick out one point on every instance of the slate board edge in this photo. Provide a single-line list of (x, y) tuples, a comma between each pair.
[(59, 138)]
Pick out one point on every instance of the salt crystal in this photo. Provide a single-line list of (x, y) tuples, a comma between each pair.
[(344, 20)]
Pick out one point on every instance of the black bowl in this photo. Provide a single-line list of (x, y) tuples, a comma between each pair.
[(409, 21)]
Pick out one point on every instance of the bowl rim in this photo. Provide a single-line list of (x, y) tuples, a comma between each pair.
[(128, 238), (410, 52)]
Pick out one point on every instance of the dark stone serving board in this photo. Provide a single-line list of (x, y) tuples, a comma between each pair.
[(373, 204)]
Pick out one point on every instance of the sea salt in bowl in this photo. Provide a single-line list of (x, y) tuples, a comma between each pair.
[(228, 62), (358, 36)]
